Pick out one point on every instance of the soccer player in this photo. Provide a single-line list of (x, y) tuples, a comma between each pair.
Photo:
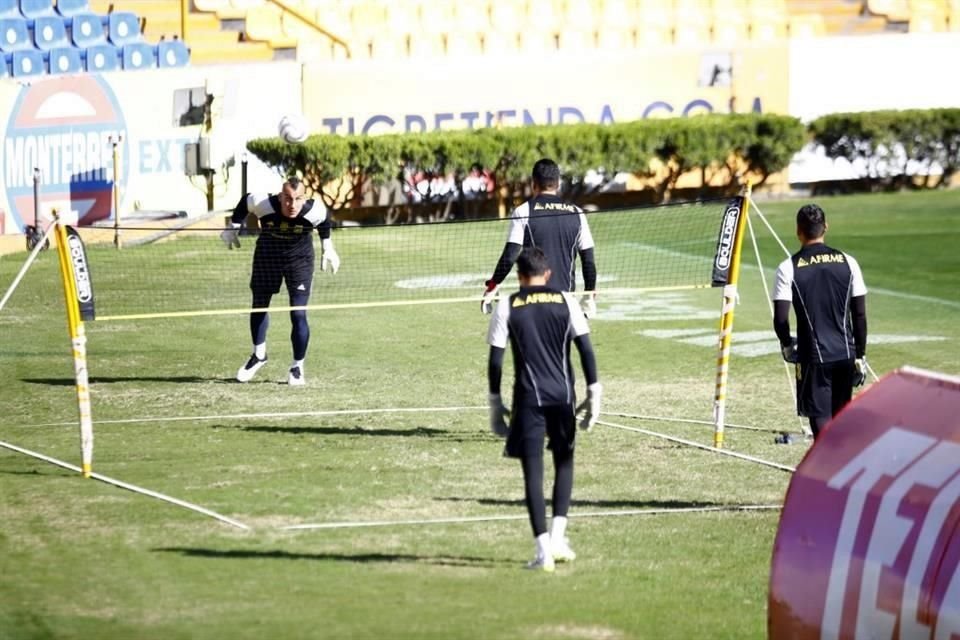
[(540, 323), (828, 294), (557, 227), (284, 252)]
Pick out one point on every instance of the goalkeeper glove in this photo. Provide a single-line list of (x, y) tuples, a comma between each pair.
[(489, 296), (498, 416), (589, 304), (329, 257), (231, 236), (590, 408), (789, 352), (859, 371)]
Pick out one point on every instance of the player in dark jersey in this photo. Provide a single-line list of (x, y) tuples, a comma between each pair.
[(284, 253), (826, 288), (560, 229), (540, 322)]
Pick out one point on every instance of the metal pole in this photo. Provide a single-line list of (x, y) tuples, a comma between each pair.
[(184, 11), (116, 190)]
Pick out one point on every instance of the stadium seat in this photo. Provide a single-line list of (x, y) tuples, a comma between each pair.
[(654, 25), (264, 24), (123, 27), (14, 35), (86, 30), (70, 8), (102, 57), (172, 53), (10, 9), (807, 26), (27, 62), (65, 60), (729, 31), (49, 32), (33, 9), (138, 55)]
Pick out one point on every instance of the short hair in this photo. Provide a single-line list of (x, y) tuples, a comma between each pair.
[(546, 174), (294, 182), (811, 221), (532, 262)]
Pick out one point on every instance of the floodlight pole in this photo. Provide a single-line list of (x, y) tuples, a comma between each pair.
[(726, 322)]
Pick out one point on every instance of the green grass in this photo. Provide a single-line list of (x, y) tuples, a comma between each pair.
[(82, 559)]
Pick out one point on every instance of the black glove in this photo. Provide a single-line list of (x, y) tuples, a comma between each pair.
[(789, 352)]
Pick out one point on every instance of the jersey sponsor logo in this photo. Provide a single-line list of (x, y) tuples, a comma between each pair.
[(555, 206), (64, 127), (825, 258), (538, 298)]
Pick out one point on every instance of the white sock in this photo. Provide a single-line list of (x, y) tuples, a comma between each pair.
[(260, 350), (558, 527), (543, 545), (297, 363)]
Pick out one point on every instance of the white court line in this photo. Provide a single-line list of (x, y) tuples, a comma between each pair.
[(572, 515), (690, 421), (250, 416), (697, 445), (128, 486)]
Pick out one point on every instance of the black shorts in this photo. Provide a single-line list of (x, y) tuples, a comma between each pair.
[(824, 389), (530, 425), (272, 267)]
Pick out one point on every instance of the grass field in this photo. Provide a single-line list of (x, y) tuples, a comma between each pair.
[(83, 559)]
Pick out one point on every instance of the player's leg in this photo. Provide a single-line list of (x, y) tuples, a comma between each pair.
[(814, 395), (841, 385), (562, 430), (527, 428), (299, 278), (265, 281)]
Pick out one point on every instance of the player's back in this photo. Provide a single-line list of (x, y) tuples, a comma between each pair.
[(540, 325), (559, 229), (823, 283)]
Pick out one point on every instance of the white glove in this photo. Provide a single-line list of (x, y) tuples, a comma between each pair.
[(329, 257), (859, 371), (231, 237), (489, 297), (588, 303), (498, 416), (590, 408)]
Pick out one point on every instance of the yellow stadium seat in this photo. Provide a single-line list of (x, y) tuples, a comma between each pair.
[(729, 8), (579, 14), (472, 16), (500, 42), (927, 22), (506, 16), (427, 45), (264, 23), (368, 19), (691, 22), (438, 17), (612, 38), (806, 26), (574, 40), (538, 41), (464, 43), (621, 14), (896, 10), (730, 31), (545, 15), (768, 29), (654, 25)]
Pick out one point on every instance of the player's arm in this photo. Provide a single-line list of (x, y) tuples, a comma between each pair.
[(585, 249), (318, 215), (497, 337), (782, 301), (858, 305), (509, 255), (581, 340), (231, 235)]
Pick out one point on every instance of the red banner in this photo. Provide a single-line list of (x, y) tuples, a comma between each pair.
[(869, 538)]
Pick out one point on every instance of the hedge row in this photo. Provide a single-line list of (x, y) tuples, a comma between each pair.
[(725, 149), (890, 147)]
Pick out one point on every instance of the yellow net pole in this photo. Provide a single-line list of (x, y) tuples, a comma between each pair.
[(726, 324), (78, 341)]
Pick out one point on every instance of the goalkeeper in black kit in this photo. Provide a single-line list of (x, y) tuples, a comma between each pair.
[(540, 322), (559, 228), (826, 289), (284, 254)]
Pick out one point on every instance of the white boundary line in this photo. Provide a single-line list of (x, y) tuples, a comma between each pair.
[(727, 425), (245, 416), (128, 486), (697, 445), (593, 514)]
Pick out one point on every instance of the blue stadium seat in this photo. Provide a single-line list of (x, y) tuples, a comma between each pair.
[(28, 62), (86, 30), (33, 9), (10, 9), (70, 8), (172, 53), (14, 35), (123, 27), (103, 57), (139, 55), (49, 32), (66, 60)]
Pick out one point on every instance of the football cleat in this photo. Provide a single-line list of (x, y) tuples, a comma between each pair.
[(561, 551), (541, 563), (247, 371), (295, 377)]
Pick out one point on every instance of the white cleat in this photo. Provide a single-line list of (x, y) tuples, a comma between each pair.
[(247, 371), (541, 563), (295, 377), (561, 551)]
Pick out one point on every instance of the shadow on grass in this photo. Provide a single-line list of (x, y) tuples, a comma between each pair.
[(413, 432), (604, 504), (70, 382), (361, 558)]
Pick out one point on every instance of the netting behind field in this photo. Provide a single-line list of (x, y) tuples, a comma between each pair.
[(190, 270)]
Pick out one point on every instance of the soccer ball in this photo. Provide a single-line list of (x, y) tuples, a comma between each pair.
[(294, 129)]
